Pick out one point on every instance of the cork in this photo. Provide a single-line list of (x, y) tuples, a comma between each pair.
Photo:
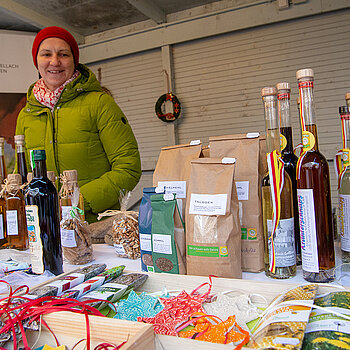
[(14, 180), (268, 91), (51, 176), (304, 73), (19, 139), (71, 175)]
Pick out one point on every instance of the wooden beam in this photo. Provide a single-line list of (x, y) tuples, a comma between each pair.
[(149, 9), (35, 18)]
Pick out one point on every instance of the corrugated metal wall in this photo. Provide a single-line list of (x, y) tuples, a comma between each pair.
[(218, 82)]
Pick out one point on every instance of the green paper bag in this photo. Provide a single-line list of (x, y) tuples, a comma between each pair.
[(167, 241)]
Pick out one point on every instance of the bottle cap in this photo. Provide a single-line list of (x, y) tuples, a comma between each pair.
[(19, 139), (29, 177), (14, 180), (71, 175), (51, 176), (344, 110), (283, 86), (39, 154), (268, 91), (305, 73), (347, 96)]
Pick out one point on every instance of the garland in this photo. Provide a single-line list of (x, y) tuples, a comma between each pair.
[(168, 117)]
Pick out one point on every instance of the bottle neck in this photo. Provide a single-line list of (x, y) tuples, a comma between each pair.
[(20, 148), (271, 124), (40, 169), (345, 121), (307, 115), (283, 99)]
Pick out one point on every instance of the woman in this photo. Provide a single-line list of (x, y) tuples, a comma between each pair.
[(80, 126)]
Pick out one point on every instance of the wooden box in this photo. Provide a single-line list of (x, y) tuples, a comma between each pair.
[(70, 328)]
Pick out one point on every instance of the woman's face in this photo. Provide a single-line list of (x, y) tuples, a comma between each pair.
[(55, 62)]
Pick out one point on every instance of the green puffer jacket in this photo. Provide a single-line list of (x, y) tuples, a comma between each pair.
[(87, 131)]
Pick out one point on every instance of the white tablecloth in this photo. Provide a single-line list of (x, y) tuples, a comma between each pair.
[(106, 254)]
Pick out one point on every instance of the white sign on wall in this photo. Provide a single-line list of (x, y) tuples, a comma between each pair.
[(17, 70)]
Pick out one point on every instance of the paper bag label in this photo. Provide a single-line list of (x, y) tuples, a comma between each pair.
[(242, 188), (68, 238), (177, 187), (161, 243), (215, 252), (208, 204), (146, 242)]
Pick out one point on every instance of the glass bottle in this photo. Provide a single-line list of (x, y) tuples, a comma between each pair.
[(3, 235), (21, 157), (69, 189), (43, 219), (344, 189), (288, 156), (314, 193), (3, 171), (16, 224), (283, 239)]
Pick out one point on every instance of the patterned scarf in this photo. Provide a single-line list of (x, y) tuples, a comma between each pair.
[(47, 97)]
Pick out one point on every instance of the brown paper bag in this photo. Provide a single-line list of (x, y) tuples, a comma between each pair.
[(213, 235), (172, 173), (250, 153)]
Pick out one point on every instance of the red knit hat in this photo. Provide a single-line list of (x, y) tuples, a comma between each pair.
[(55, 32)]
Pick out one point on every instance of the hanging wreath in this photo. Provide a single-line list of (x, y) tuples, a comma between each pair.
[(168, 117)]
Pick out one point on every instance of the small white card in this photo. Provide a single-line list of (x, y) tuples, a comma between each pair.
[(119, 249), (242, 188), (68, 238), (177, 187), (208, 204)]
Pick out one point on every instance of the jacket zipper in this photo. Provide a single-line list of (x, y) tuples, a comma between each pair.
[(54, 138)]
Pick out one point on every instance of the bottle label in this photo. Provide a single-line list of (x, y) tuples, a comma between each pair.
[(307, 223), (283, 242), (35, 243), (2, 234), (283, 142), (12, 222), (308, 140), (346, 157), (344, 221), (68, 238)]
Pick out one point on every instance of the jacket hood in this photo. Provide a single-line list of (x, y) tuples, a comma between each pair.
[(85, 82)]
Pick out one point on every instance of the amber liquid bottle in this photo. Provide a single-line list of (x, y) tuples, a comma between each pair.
[(314, 193), (21, 157), (283, 238), (3, 171), (3, 235), (43, 219), (288, 156), (16, 224)]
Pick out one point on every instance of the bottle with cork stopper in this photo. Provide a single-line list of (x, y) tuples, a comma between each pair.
[(16, 224), (277, 201), (314, 192), (21, 157), (289, 158)]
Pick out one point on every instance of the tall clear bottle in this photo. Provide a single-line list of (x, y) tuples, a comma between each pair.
[(21, 157), (280, 246), (288, 156), (16, 224), (3, 171), (344, 188), (314, 193), (43, 219)]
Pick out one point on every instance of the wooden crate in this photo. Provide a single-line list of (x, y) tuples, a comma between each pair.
[(70, 327), (157, 281)]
